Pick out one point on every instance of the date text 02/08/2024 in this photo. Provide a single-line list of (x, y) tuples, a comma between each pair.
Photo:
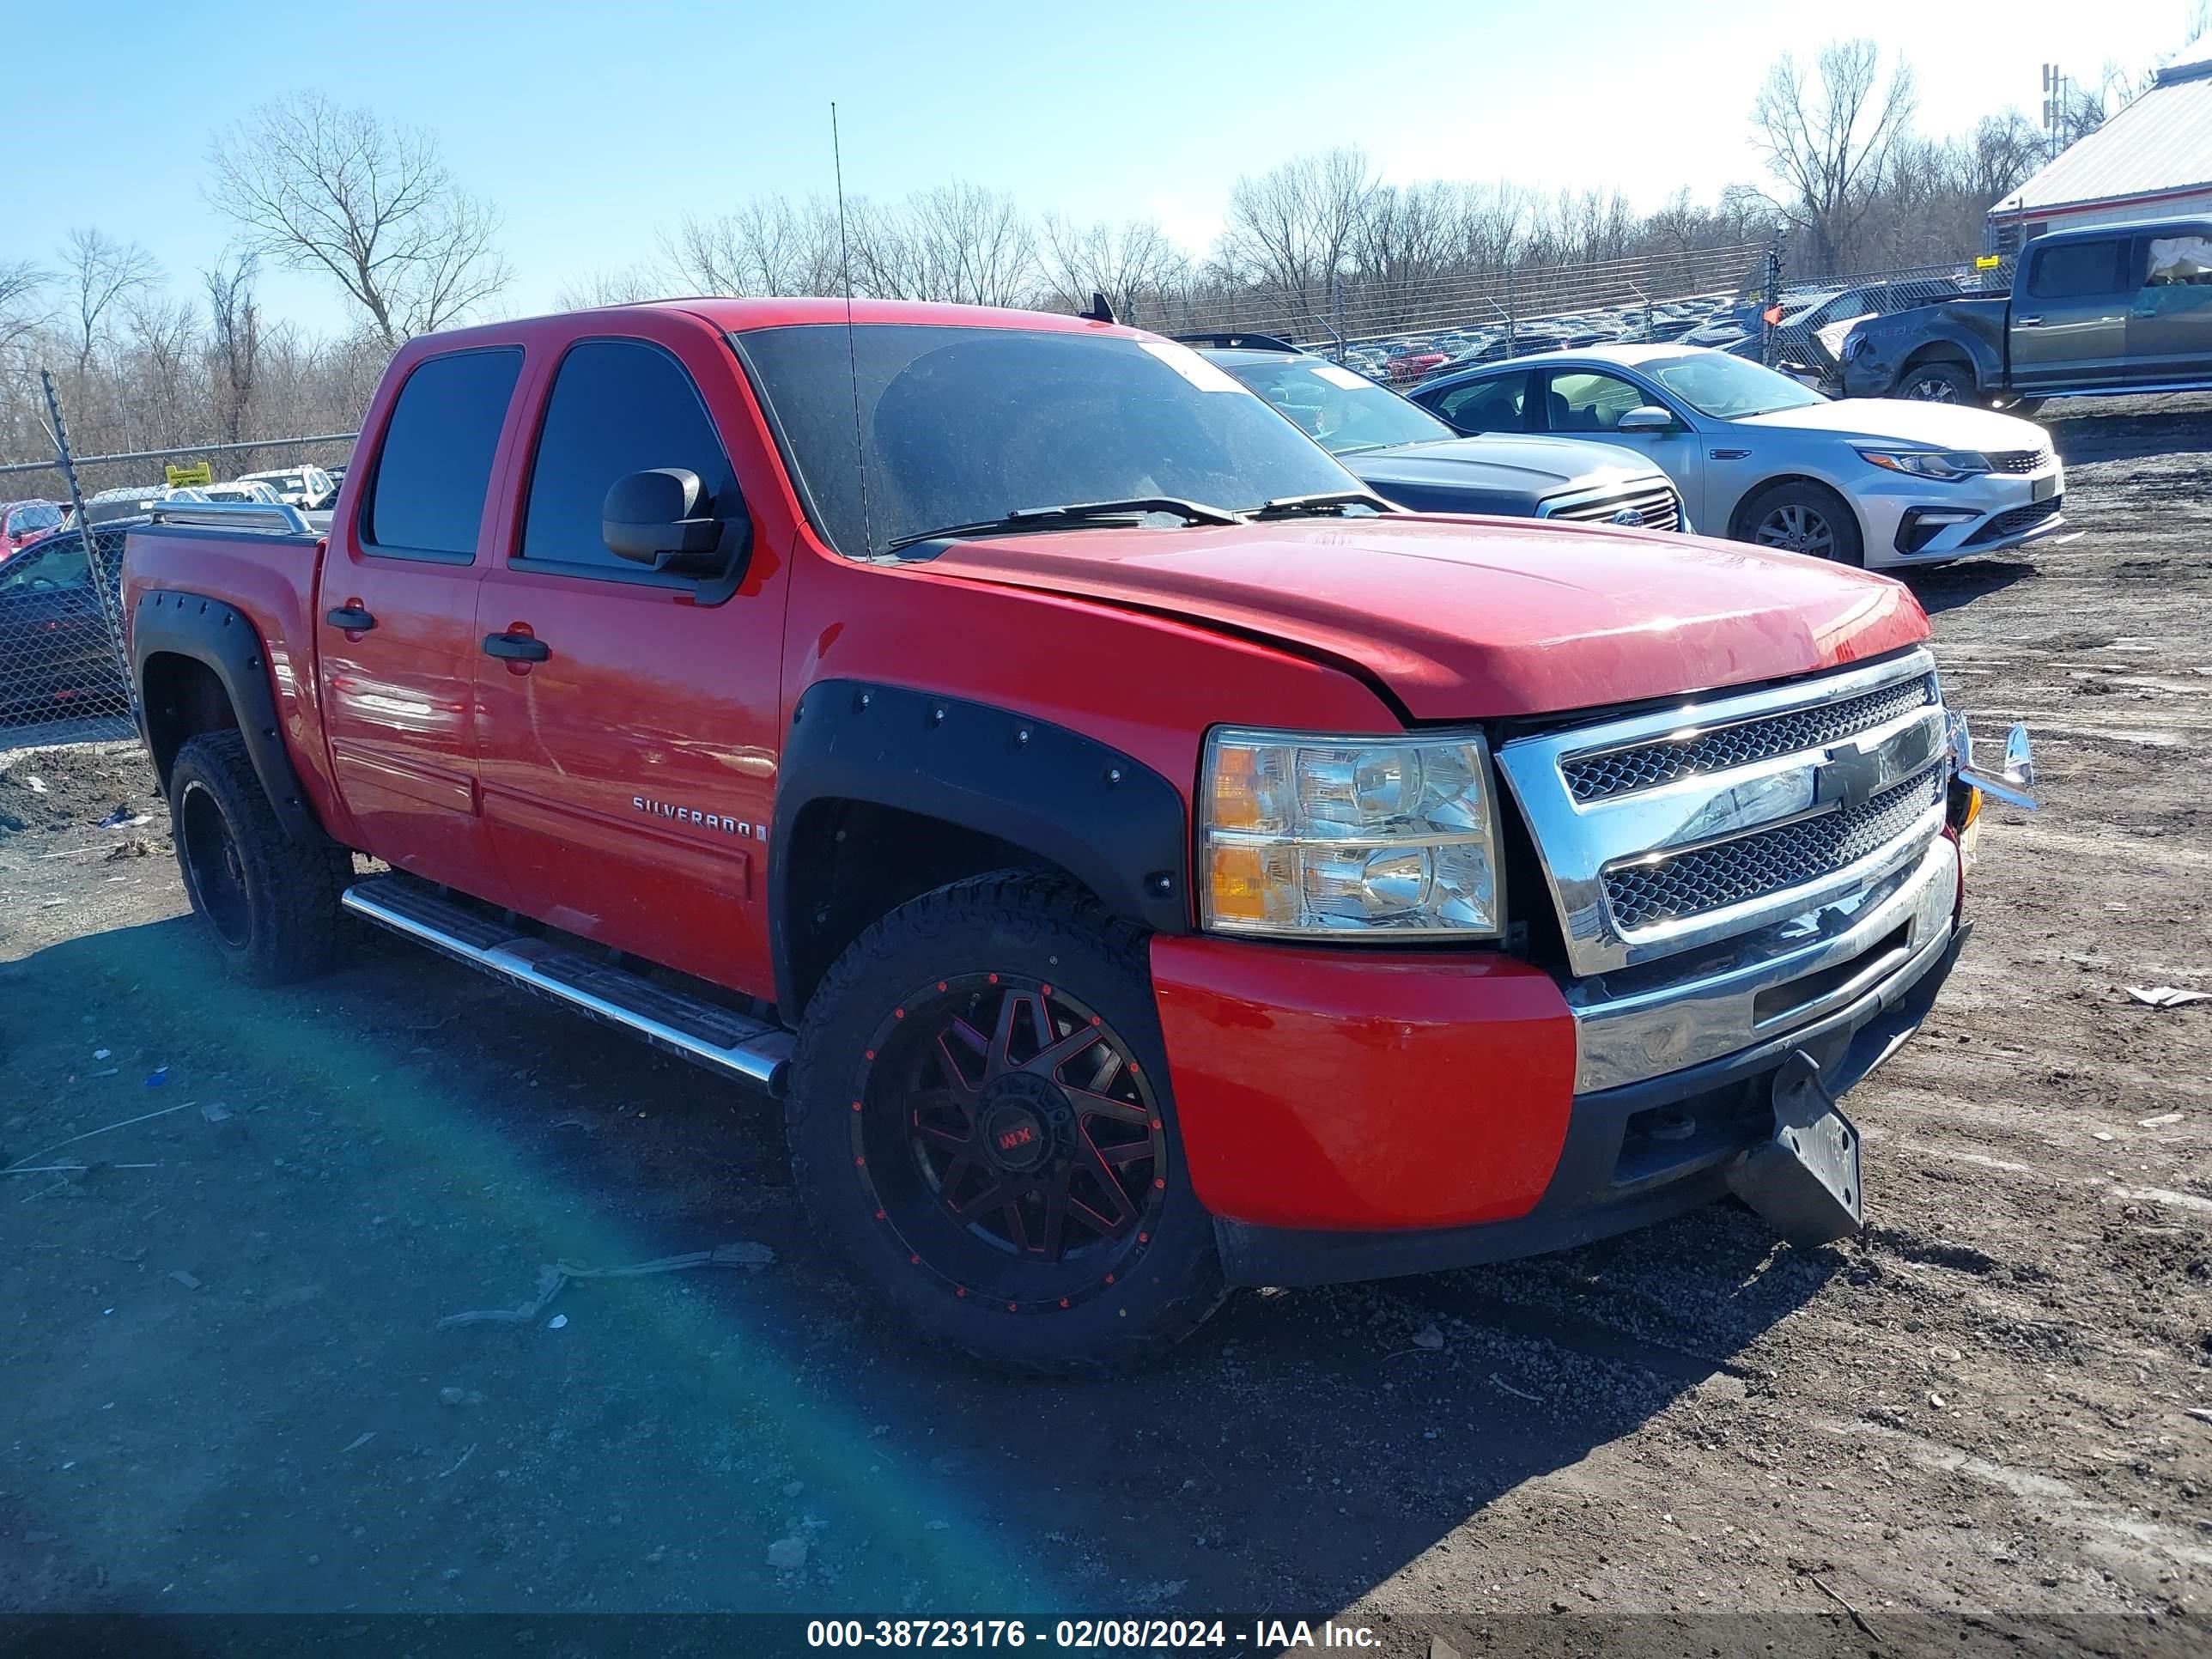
[(1083, 1635)]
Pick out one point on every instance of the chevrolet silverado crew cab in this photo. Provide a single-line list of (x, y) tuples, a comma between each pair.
[(1142, 861), (2113, 308)]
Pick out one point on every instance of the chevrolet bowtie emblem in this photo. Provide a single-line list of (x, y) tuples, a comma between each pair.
[(1848, 778)]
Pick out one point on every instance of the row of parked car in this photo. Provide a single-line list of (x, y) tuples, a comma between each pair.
[(1675, 436), (1808, 314), (311, 488)]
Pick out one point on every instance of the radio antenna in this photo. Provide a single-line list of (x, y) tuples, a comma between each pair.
[(852, 350)]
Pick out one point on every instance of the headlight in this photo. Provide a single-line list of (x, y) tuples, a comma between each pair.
[(1302, 834), (1929, 463)]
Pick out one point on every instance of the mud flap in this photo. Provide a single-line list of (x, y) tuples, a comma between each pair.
[(1804, 1179)]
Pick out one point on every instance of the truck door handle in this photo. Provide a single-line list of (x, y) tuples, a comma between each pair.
[(2027, 322), (351, 617), (516, 647)]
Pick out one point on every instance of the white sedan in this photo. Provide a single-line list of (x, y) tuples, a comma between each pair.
[(308, 488), (1757, 457)]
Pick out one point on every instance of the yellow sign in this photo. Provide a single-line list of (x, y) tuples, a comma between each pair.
[(199, 472), (1988, 262)]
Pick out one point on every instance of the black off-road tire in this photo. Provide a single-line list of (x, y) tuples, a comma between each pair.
[(1009, 923), (279, 919), (1811, 503)]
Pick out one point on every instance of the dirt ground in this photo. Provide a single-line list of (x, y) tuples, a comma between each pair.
[(226, 1388)]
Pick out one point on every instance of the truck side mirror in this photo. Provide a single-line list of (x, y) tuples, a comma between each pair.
[(665, 519)]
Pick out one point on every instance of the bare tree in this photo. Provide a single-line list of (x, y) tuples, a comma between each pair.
[(317, 185), (1291, 229), (768, 245), (1402, 243), (233, 338), (1828, 141), (2000, 153), (615, 287), (1134, 265), (102, 275), (22, 293), (163, 345), (962, 243)]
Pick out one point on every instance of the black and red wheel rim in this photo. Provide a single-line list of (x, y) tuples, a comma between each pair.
[(1011, 1141), (214, 866)]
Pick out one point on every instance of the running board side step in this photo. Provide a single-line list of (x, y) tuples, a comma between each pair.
[(750, 1050)]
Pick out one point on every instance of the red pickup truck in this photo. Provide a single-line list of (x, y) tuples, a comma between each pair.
[(1142, 861)]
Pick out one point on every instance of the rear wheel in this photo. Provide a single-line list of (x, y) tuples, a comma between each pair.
[(980, 1117), (1940, 383), (271, 902), (1802, 517)]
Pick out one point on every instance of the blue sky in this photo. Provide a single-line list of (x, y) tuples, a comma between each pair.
[(593, 125)]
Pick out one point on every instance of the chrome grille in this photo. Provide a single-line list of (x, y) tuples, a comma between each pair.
[(1772, 860), (1656, 505), (2019, 460), (1647, 766), (1743, 835)]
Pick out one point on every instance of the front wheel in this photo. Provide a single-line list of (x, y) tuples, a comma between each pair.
[(979, 1118), (1803, 518)]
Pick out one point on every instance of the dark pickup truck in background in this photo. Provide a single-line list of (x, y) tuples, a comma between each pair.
[(2111, 308)]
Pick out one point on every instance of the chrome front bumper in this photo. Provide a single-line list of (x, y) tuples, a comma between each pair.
[(1726, 872), (1748, 990)]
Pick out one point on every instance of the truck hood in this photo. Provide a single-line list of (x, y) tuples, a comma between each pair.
[(1505, 474), (1467, 620), (1901, 420)]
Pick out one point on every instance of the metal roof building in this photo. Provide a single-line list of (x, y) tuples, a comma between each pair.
[(2153, 160)]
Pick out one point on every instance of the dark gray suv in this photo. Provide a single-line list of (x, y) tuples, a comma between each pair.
[(1409, 456)]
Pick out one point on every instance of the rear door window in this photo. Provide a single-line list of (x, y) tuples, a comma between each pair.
[(1491, 405), (2078, 270), (426, 498), (618, 406), (1581, 400)]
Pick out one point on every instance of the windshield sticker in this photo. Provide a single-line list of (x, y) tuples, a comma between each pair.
[(1207, 377), (1343, 376)]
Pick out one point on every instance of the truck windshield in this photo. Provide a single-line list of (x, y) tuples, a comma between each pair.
[(1728, 388), (965, 425)]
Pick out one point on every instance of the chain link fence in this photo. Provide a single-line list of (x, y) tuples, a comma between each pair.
[(62, 674), (145, 472)]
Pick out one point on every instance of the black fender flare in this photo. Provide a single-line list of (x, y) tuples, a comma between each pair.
[(1112, 822), (210, 631), (1948, 342)]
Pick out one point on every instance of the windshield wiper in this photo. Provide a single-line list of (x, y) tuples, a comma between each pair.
[(1076, 513), (1328, 500)]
